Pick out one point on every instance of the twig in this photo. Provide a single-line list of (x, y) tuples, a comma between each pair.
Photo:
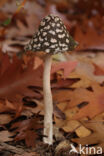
[(5, 146)]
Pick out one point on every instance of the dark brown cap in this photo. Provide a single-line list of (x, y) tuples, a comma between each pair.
[(52, 37)]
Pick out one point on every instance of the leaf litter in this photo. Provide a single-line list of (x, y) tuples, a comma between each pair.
[(77, 82)]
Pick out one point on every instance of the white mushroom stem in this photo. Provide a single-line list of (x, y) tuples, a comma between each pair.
[(48, 102)]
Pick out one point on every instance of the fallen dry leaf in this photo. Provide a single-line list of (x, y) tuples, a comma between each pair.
[(70, 125), (5, 118), (99, 70), (82, 131), (83, 81), (90, 34), (93, 100), (97, 135), (67, 67), (16, 78), (6, 136), (2, 2), (27, 130)]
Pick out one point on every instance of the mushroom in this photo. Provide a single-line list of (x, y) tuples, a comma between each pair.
[(52, 37)]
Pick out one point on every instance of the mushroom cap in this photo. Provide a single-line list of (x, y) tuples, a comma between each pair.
[(52, 37)]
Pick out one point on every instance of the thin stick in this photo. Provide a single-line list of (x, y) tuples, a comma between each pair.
[(7, 147), (48, 103)]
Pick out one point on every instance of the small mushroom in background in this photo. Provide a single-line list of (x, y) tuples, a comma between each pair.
[(52, 38)]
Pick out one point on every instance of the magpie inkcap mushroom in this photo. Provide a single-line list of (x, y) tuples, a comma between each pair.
[(52, 38)]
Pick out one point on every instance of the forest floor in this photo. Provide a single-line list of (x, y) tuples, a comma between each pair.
[(77, 80)]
